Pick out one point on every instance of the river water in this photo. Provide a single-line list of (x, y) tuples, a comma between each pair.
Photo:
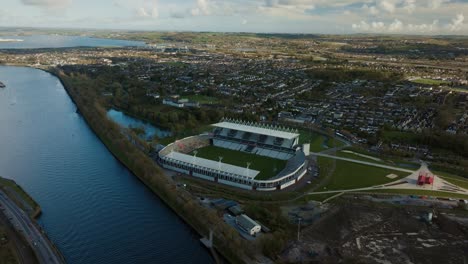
[(60, 41), (94, 209), (124, 120)]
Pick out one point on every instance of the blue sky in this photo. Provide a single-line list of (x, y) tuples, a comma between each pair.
[(285, 16)]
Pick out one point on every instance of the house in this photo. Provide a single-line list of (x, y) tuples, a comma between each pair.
[(173, 103), (248, 225)]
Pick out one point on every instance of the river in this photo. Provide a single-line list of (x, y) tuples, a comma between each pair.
[(127, 121), (61, 41), (94, 209)]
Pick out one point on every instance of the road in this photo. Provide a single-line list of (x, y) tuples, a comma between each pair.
[(24, 224)]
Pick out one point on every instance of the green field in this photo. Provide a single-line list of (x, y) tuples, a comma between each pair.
[(349, 175), (318, 142), (454, 179), (430, 81), (268, 167), (357, 157), (202, 99), (398, 136)]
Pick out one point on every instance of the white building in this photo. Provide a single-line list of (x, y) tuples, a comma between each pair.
[(248, 225)]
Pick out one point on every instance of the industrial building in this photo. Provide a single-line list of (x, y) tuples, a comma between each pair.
[(248, 225)]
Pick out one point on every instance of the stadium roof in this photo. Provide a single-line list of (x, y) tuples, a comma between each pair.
[(214, 165), (257, 130)]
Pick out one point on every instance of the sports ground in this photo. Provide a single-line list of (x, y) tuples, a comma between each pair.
[(268, 167)]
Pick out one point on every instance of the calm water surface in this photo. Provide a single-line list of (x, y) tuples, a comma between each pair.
[(128, 121), (57, 41), (94, 209)]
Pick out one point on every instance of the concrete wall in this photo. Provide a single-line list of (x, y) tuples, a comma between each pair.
[(198, 175), (265, 189), (301, 175), (288, 184), (176, 169), (246, 187)]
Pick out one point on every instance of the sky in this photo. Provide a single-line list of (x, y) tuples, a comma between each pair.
[(272, 16)]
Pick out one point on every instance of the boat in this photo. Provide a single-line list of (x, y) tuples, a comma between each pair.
[(2, 85)]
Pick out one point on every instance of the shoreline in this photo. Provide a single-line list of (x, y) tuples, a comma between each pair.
[(108, 144), (5, 188)]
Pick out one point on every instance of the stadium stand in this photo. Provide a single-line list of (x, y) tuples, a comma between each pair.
[(262, 140)]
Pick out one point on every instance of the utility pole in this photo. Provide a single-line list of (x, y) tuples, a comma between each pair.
[(219, 164), (299, 229)]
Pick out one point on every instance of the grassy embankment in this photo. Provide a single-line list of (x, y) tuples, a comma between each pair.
[(430, 81), (20, 197), (226, 240)]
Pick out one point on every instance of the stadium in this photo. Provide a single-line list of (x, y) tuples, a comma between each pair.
[(246, 155)]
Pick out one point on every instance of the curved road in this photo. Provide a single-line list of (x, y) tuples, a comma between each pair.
[(23, 224)]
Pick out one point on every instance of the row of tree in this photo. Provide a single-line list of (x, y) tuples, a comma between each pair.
[(82, 89)]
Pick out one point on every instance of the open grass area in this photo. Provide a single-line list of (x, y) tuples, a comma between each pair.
[(358, 157), (315, 139), (457, 180), (399, 136), (267, 166), (430, 81), (349, 175), (318, 142), (335, 143), (199, 130)]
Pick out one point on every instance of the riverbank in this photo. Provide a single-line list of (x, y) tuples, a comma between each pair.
[(141, 165), (21, 211), (20, 197)]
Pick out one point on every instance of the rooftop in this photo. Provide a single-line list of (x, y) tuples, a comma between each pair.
[(259, 129), (246, 221), (214, 165)]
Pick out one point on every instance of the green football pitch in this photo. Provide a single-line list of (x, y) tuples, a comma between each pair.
[(268, 167)]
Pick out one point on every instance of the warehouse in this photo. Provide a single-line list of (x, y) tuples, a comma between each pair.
[(248, 225)]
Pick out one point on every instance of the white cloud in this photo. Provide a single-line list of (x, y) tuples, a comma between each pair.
[(457, 23), (47, 3), (434, 4), (148, 9), (424, 28), (202, 8), (410, 6), (362, 26), (143, 12), (395, 26), (287, 8), (387, 5), (398, 26), (370, 9)]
